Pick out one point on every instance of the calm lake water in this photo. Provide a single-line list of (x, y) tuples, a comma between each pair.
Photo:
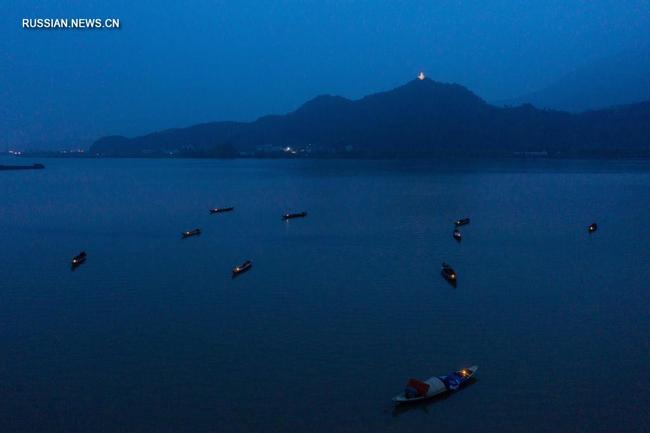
[(151, 334)]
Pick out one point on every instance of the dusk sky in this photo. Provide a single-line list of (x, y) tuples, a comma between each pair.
[(173, 64)]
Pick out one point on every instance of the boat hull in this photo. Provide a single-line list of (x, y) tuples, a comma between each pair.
[(241, 269), (294, 215), (191, 233), (75, 264), (22, 167), (78, 261), (221, 210), (451, 280), (436, 387)]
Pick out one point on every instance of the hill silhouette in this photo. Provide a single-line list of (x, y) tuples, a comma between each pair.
[(419, 118), (619, 79)]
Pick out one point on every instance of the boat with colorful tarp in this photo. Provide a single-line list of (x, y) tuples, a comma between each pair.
[(418, 390)]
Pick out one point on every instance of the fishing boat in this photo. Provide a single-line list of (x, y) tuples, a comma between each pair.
[(449, 274), (221, 209), (457, 235), (592, 228), (194, 232), (461, 222), (78, 259), (242, 268), (417, 390), (288, 216)]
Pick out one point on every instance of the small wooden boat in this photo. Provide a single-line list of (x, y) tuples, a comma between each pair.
[(194, 232), (221, 209), (78, 259), (417, 390), (242, 268), (592, 228), (289, 216), (457, 235), (449, 274), (461, 222)]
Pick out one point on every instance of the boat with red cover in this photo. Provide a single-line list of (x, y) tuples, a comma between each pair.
[(418, 390)]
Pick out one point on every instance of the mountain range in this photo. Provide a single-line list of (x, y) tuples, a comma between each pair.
[(419, 118), (617, 79)]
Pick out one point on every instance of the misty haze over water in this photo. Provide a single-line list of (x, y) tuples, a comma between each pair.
[(152, 334)]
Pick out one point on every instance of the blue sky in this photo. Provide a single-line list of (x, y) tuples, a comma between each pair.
[(178, 63)]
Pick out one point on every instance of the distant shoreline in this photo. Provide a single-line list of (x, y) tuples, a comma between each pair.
[(378, 157)]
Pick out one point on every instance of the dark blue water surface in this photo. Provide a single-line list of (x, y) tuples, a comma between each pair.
[(152, 334)]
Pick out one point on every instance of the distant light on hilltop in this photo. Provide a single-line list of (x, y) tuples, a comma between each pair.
[(421, 76)]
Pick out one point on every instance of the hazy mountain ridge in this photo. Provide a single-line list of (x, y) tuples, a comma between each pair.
[(419, 118), (619, 79)]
